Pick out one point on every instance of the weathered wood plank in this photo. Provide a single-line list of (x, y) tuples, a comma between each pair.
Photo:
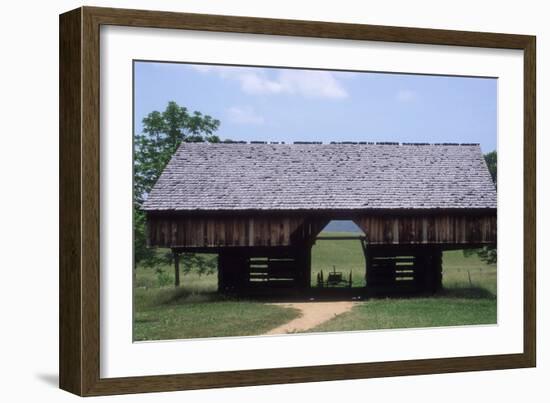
[(432, 229), (268, 231)]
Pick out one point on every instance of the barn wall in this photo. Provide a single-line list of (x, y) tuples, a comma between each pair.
[(215, 231), (429, 229), (175, 231), (404, 269), (262, 269)]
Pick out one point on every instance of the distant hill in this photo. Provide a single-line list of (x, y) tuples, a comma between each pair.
[(342, 226)]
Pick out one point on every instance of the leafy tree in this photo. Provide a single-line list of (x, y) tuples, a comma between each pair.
[(487, 254), (162, 134), (202, 264), (491, 161)]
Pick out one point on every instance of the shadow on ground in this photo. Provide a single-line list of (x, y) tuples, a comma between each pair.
[(467, 293), (49, 379), (185, 296)]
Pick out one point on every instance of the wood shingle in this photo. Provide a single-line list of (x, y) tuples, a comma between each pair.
[(274, 177)]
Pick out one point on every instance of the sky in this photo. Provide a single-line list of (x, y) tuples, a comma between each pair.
[(277, 104)]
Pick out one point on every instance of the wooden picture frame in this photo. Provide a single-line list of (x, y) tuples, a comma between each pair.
[(79, 200)]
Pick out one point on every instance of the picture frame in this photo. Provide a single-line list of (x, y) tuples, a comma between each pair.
[(80, 153)]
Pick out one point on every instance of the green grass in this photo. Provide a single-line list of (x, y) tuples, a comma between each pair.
[(197, 310), (413, 313), (468, 298), (147, 278), (468, 275), (193, 312)]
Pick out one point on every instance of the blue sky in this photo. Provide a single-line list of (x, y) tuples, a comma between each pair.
[(274, 104)]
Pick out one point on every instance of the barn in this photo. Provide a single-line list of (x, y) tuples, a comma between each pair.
[(261, 206)]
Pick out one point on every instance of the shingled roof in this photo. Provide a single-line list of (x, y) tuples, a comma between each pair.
[(216, 177)]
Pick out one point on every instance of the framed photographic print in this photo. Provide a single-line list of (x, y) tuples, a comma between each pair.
[(249, 201)]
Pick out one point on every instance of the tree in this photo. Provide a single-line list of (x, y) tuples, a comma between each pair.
[(162, 134), (487, 254), (491, 161)]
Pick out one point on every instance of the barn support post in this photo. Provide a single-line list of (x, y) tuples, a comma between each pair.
[(306, 270), (232, 271), (431, 263), (176, 268), (364, 246), (221, 279)]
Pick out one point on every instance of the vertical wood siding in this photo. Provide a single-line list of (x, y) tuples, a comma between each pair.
[(432, 229), (181, 231), (172, 231)]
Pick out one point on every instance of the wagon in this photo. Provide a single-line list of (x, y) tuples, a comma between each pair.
[(334, 279)]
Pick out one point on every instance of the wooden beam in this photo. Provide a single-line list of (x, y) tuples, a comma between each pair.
[(340, 238)]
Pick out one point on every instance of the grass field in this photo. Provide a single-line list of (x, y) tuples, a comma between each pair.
[(174, 314), (413, 313), (196, 310)]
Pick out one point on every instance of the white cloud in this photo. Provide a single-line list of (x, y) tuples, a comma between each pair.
[(306, 83), (312, 84), (253, 83), (405, 96), (244, 115)]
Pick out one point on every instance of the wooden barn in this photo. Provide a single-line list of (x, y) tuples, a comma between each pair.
[(261, 206)]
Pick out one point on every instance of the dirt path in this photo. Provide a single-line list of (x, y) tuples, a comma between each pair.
[(312, 314)]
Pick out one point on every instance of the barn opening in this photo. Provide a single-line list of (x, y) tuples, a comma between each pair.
[(337, 256)]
